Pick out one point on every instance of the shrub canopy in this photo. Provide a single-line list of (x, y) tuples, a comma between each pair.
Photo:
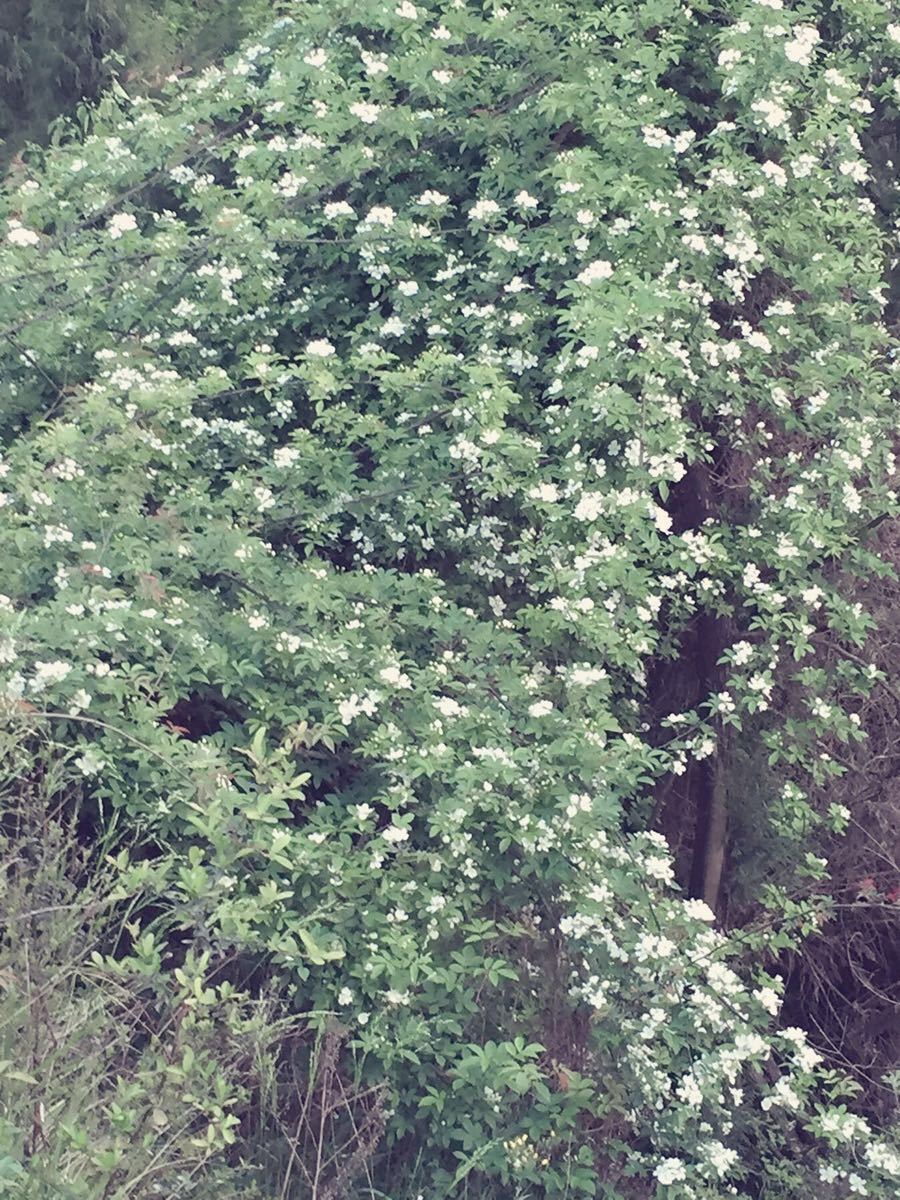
[(380, 407)]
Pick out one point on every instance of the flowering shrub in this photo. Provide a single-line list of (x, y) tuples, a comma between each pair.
[(364, 399)]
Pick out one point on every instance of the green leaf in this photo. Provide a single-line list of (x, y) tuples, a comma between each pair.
[(318, 954)]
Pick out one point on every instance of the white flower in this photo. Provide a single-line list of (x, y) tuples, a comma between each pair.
[(525, 200), (655, 137), (442, 77), (699, 910), (586, 676), (659, 868), (80, 700), (689, 1092), (780, 308), (18, 235), (316, 58), (345, 996), (844, 1126), (540, 708), (338, 208), (395, 834), (264, 499), (375, 64), (800, 48), (432, 199), (758, 339), (893, 32), (49, 672), (589, 507), (406, 10), (408, 287), (807, 1058), (595, 271), (670, 1170), (182, 337), (879, 1155), (482, 209), (121, 223), (448, 707), (720, 1158), (773, 114), (855, 169), (349, 708), (380, 215), (547, 492), (393, 327), (782, 1094), (776, 173), (395, 678), (285, 456), (90, 762), (363, 811), (321, 348), (367, 113), (14, 687), (851, 498), (769, 999), (662, 519), (649, 945)]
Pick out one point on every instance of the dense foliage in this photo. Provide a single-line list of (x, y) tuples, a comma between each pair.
[(380, 409)]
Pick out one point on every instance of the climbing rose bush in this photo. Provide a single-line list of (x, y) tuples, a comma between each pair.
[(352, 391)]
